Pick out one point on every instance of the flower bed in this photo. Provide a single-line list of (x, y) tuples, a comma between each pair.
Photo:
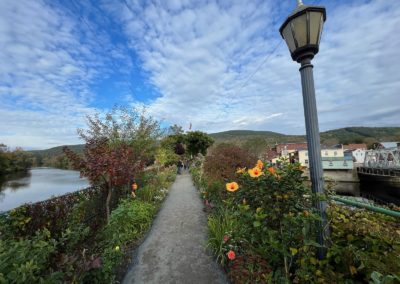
[(262, 230), (71, 248)]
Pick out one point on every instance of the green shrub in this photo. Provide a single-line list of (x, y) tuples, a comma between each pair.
[(223, 233), (269, 218), (28, 260), (127, 223)]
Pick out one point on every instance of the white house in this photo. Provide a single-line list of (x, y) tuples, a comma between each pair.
[(358, 151), (359, 156)]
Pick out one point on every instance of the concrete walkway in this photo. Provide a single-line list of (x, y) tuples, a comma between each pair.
[(175, 249)]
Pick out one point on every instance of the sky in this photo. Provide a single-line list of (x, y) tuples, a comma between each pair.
[(217, 64)]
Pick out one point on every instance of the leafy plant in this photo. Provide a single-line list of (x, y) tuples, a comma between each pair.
[(27, 260), (223, 231)]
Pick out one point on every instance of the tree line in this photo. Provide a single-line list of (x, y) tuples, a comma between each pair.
[(120, 145), (12, 161)]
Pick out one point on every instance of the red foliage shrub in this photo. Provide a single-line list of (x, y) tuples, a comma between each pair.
[(223, 161)]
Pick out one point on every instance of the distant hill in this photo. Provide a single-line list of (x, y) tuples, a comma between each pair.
[(346, 135), (243, 136), (55, 151), (258, 140)]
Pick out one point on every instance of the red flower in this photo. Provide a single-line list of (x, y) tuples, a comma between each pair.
[(231, 255), (226, 238)]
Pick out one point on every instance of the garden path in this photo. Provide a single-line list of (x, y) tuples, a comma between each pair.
[(175, 248)]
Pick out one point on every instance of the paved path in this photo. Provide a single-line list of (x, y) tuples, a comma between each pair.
[(174, 251)]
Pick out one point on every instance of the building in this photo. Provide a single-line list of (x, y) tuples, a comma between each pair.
[(357, 151), (283, 149), (289, 150), (358, 156), (387, 145), (332, 158)]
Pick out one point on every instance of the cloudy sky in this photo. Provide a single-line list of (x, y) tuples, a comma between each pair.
[(218, 64)]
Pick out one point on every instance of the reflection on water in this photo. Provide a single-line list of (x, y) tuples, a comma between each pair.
[(373, 191), (14, 181), (36, 185)]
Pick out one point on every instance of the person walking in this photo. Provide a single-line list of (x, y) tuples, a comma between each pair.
[(180, 167)]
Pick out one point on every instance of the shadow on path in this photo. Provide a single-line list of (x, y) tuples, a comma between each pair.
[(175, 249)]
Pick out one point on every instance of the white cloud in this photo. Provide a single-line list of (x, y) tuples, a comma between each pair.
[(202, 57), (46, 70), (217, 64)]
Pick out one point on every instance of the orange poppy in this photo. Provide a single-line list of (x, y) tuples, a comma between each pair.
[(255, 172), (260, 164), (232, 186)]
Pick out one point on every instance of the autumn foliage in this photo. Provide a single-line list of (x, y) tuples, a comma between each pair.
[(223, 161), (117, 149)]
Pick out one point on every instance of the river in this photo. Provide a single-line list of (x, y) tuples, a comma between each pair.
[(382, 194), (36, 185)]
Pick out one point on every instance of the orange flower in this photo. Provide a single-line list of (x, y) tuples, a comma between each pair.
[(260, 164), (255, 172), (241, 170), (272, 170), (232, 186), (231, 255)]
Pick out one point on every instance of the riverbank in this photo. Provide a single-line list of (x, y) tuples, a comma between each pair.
[(77, 244)]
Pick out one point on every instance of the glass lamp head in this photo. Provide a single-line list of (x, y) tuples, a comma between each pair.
[(302, 31)]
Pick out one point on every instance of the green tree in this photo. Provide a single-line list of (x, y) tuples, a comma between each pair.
[(166, 157), (198, 142), (256, 146), (175, 130), (117, 148)]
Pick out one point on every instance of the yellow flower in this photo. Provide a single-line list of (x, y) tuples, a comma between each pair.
[(232, 186), (241, 170), (255, 172), (117, 248), (260, 164)]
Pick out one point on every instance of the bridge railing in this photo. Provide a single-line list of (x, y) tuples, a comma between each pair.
[(382, 159)]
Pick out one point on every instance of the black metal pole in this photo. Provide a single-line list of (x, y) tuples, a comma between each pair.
[(314, 152)]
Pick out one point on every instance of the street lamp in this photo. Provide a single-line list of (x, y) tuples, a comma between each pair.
[(302, 33)]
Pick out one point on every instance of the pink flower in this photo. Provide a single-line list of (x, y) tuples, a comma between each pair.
[(231, 255), (226, 238)]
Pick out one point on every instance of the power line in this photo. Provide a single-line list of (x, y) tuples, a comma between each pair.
[(266, 59)]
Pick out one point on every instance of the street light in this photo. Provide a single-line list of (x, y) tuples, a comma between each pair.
[(302, 33)]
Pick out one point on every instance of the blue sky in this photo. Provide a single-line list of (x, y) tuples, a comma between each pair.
[(219, 65)]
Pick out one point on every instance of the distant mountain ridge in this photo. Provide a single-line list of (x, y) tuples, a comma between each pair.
[(345, 135), (331, 137), (55, 151)]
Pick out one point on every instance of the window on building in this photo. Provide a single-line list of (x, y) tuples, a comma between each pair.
[(344, 163), (330, 164), (306, 161)]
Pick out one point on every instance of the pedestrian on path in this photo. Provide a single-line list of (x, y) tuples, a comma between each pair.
[(180, 167)]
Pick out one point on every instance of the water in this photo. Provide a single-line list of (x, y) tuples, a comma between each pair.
[(380, 193), (36, 185)]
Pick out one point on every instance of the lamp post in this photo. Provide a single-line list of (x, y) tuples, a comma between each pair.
[(302, 33)]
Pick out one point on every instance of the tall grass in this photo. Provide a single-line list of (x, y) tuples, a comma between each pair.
[(220, 224)]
